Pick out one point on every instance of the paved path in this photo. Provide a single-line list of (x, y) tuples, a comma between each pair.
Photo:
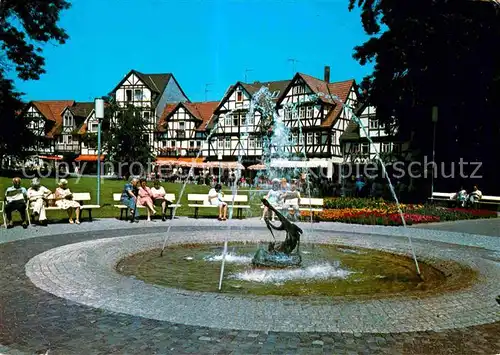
[(32, 319), (489, 226)]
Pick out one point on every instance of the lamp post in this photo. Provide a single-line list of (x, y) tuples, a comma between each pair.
[(435, 114), (99, 115)]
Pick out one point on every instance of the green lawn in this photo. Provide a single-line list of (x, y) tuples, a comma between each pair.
[(108, 187)]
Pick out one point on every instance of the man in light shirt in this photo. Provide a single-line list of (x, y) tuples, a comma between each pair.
[(15, 200), (37, 195)]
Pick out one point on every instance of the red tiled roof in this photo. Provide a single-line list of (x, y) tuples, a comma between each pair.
[(163, 119), (200, 110), (52, 111), (203, 111)]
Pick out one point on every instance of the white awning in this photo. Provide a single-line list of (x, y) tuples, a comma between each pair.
[(314, 163)]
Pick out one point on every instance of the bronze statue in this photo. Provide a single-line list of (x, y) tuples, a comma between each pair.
[(280, 255)]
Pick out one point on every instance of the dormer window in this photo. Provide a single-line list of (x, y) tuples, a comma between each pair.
[(275, 94), (68, 120), (239, 96)]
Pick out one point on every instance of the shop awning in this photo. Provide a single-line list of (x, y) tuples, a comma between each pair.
[(257, 167), (184, 161), (300, 164), (50, 157), (89, 158)]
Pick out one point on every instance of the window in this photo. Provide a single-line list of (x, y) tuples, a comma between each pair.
[(191, 144), (355, 148), (385, 148), (373, 123), (60, 139), (221, 143), (317, 138), (163, 144), (198, 144), (172, 144), (145, 138), (396, 148), (94, 126), (69, 139), (309, 138), (227, 120), (137, 95), (181, 134), (294, 138), (228, 143), (288, 113), (146, 115), (365, 148), (302, 112), (68, 120), (235, 120), (251, 143), (181, 125), (128, 95), (239, 96), (258, 143), (275, 94), (301, 139), (309, 111)]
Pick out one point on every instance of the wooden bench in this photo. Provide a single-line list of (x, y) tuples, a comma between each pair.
[(123, 208), (450, 197), (306, 204), (80, 197), (202, 202)]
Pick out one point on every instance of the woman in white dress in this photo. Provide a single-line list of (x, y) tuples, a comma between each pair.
[(64, 200)]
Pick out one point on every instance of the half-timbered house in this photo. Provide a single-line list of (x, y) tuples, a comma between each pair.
[(356, 146), (150, 93), (45, 119), (317, 112), (73, 117), (182, 129), (236, 130)]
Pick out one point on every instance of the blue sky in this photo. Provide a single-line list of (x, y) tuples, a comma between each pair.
[(200, 42)]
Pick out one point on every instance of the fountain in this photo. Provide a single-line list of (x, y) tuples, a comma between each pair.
[(280, 255)]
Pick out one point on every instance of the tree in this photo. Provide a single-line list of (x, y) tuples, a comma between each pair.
[(14, 134), (436, 53), (24, 27), (123, 139)]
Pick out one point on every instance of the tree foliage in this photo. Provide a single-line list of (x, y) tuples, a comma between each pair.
[(436, 53), (124, 140), (25, 25)]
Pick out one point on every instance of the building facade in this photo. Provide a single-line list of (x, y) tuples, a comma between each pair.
[(317, 115)]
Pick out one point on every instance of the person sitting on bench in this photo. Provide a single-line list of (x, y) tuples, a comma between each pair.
[(159, 193), (37, 196), (474, 196), (215, 198), (15, 200)]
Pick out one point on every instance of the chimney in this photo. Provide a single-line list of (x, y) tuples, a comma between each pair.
[(327, 74)]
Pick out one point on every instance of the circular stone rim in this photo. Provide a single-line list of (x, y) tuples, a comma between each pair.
[(126, 295)]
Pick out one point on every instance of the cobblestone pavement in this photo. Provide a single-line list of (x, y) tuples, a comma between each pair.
[(34, 320)]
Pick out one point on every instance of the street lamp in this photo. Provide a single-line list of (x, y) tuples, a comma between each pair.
[(435, 114), (99, 115)]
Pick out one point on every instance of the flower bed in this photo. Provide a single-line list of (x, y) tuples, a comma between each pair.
[(380, 212)]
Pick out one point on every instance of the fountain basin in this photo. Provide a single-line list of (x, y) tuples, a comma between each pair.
[(326, 270)]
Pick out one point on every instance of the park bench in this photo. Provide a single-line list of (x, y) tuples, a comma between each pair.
[(124, 209), (306, 204), (80, 197), (201, 201), (450, 197)]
